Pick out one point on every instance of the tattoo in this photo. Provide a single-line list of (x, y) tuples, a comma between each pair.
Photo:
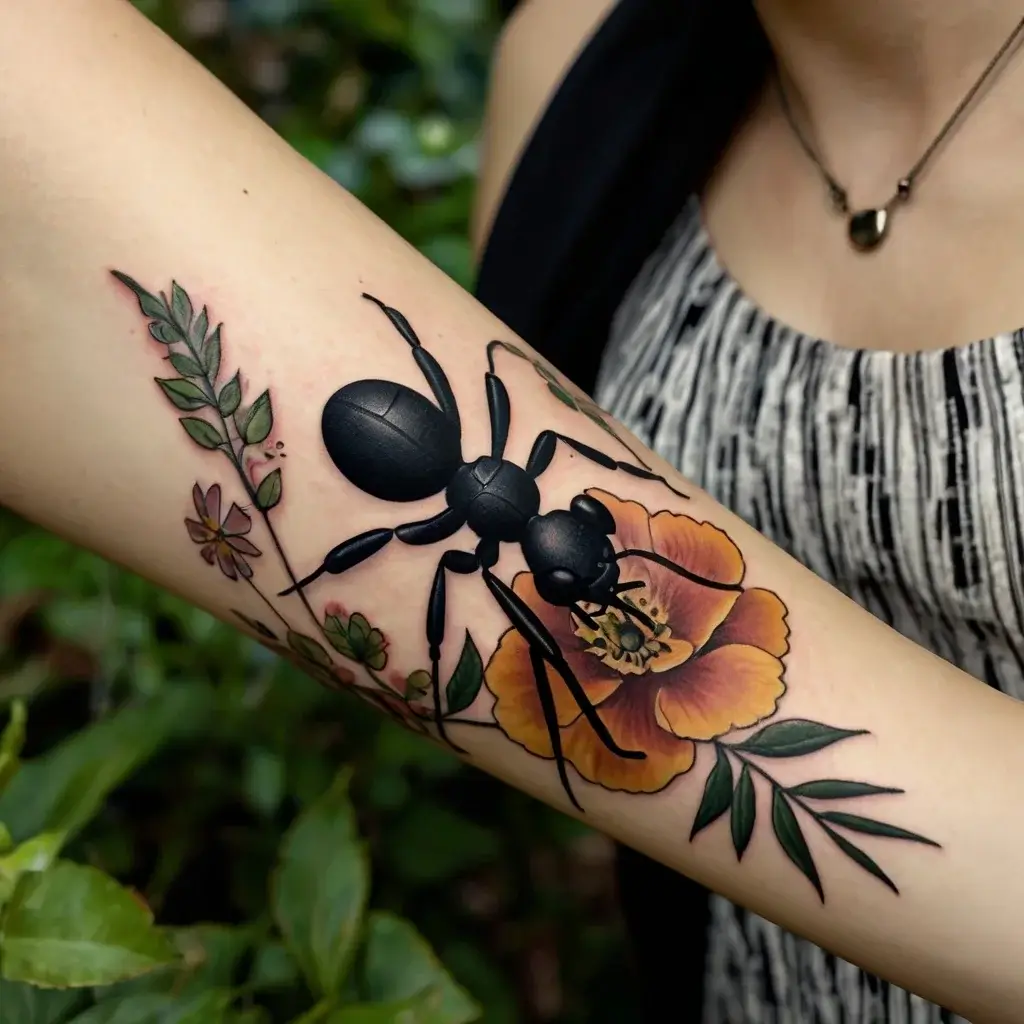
[(632, 639)]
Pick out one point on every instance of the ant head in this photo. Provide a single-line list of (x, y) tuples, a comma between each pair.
[(590, 511)]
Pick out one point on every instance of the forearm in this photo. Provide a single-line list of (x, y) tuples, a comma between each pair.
[(133, 159)]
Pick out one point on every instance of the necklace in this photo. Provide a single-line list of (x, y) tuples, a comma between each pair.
[(868, 228)]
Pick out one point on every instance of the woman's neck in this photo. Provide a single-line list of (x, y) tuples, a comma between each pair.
[(877, 68)]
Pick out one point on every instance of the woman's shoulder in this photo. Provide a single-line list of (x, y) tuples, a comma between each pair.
[(538, 45)]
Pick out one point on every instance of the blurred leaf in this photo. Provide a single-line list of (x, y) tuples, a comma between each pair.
[(399, 964), (320, 888), (273, 967), (73, 926), (12, 740), (35, 854), (263, 780), (211, 956), (183, 394), (210, 1007), (63, 789), (26, 1004), (424, 1008), (431, 843)]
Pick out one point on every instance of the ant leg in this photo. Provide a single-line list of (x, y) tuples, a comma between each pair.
[(464, 563), (543, 452), (436, 378), (500, 412), (358, 549), (653, 556), (547, 706), (536, 634)]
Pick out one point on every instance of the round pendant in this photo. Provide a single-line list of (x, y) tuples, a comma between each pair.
[(868, 228)]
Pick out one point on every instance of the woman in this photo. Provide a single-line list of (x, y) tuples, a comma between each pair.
[(464, 539), (886, 457)]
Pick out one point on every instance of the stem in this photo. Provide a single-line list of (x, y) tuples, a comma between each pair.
[(799, 801), (266, 601), (236, 461)]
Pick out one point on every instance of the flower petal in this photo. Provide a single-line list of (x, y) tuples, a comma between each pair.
[(226, 561), (517, 707), (758, 618), (199, 501), (237, 521), (213, 503), (209, 553), (632, 520), (733, 687), (246, 547), (243, 567), (678, 653), (629, 715), (199, 532), (694, 610)]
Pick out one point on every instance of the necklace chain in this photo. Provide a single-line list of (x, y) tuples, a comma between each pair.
[(869, 227)]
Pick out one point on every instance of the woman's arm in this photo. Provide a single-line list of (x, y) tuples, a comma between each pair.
[(686, 693)]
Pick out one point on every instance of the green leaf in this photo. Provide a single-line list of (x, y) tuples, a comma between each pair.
[(6, 842), (320, 889), (150, 304), (63, 789), (858, 856), (206, 435), (417, 684), (399, 964), (200, 327), (337, 635), (183, 394), (181, 307), (874, 828), (791, 839), (744, 813), (258, 421), (562, 395), (717, 794), (185, 365), (211, 956), (209, 1007), (466, 680), (164, 332), (424, 1008), (794, 738), (12, 740), (268, 494), (73, 926), (35, 854), (837, 789), (211, 353), (273, 967), (26, 1004), (230, 396), (308, 648)]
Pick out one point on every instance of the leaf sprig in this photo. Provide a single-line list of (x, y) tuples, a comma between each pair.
[(793, 738), (194, 351)]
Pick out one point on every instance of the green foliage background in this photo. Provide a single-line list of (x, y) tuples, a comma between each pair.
[(166, 751)]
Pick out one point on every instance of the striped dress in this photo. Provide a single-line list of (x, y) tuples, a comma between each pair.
[(899, 478)]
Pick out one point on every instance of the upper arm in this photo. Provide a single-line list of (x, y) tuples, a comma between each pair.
[(536, 48)]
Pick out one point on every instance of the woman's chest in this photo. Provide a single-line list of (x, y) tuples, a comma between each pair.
[(899, 478)]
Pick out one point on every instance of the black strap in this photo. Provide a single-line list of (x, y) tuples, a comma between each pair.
[(634, 129)]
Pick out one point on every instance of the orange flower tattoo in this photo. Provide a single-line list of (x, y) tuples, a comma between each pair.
[(712, 663)]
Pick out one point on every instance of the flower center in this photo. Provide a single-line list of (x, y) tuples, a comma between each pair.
[(624, 640)]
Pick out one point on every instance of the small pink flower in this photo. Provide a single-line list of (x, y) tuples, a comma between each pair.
[(222, 542)]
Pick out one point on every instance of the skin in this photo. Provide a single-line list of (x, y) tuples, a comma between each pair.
[(89, 448)]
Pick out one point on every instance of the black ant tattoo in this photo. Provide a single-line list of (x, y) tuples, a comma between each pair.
[(395, 444)]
